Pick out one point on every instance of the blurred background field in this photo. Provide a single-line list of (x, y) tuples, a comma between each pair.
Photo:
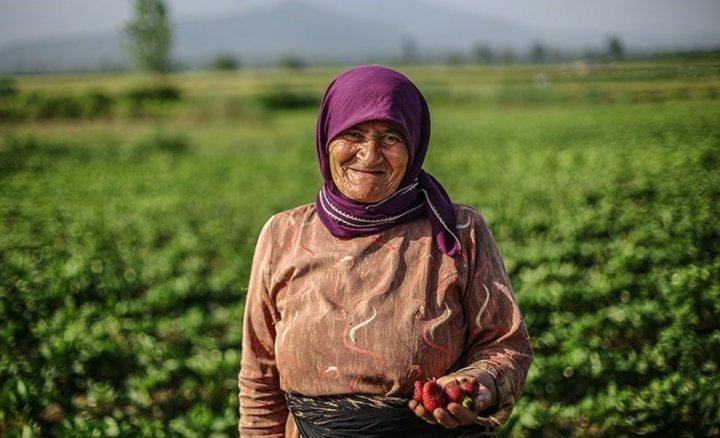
[(129, 210)]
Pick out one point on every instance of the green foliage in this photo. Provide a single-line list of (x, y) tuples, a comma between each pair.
[(615, 48), (91, 104), (8, 87), (291, 62), (538, 52), (163, 143), (149, 94), (484, 54), (225, 63), (50, 106), (125, 315), (149, 36), (282, 97), (125, 248), (612, 243)]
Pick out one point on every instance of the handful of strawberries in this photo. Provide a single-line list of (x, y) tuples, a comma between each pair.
[(433, 396)]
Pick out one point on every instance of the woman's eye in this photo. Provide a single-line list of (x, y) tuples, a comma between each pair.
[(390, 139), (352, 136)]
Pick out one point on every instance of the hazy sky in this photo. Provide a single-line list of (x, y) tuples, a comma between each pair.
[(33, 19)]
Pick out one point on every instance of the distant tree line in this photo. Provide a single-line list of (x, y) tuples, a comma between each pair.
[(148, 37), (537, 53)]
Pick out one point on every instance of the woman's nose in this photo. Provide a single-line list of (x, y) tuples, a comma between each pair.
[(370, 153)]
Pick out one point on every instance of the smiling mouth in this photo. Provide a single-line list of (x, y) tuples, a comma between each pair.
[(367, 172)]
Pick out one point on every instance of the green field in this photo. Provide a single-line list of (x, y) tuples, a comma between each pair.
[(128, 221)]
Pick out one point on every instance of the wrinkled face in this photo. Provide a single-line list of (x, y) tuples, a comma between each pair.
[(368, 161)]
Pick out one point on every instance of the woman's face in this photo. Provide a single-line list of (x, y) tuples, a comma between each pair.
[(368, 161)]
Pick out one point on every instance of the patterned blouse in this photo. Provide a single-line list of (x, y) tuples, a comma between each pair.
[(371, 314)]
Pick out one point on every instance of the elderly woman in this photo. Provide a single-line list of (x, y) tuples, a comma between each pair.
[(381, 282)]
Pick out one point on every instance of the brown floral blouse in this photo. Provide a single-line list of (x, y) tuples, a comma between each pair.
[(371, 314)]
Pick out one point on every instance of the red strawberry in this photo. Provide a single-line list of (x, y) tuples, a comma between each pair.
[(418, 392), (471, 387), (454, 392), (433, 396)]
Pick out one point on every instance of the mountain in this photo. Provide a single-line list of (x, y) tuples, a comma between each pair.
[(303, 29), (93, 52), (433, 28), (317, 31), (331, 30)]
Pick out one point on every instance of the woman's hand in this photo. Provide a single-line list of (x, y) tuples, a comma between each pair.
[(456, 414)]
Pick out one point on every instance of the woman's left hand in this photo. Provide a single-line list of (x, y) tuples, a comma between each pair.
[(456, 414)]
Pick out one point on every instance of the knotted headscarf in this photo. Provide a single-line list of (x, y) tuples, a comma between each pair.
[(377, 93)]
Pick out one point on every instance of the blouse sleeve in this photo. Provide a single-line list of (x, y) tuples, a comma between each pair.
[(498, 340), (263, 411)]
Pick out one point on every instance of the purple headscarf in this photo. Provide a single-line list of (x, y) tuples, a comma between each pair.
[(374, 92)]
